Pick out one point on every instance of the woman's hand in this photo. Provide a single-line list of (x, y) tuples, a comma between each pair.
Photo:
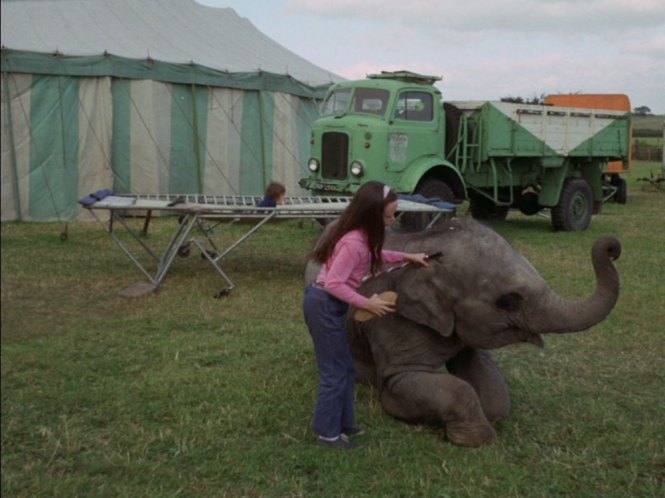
[(378, 306), (419, 258)]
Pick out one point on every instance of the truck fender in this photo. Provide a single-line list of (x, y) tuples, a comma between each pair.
[(552, 183), (432, 168), (554, 179)]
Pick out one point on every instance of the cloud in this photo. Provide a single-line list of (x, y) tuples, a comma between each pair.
[(654, 48), (529, 77), (582, 17), (484, 49)]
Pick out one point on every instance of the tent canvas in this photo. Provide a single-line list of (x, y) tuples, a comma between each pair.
[(146, 97)]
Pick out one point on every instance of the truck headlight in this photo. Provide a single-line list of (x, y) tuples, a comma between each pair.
[(313, 165), (356, 168)]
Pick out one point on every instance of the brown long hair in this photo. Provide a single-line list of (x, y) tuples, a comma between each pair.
[(365, 212)]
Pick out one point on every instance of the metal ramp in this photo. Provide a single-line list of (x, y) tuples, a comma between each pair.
[(201, 215)]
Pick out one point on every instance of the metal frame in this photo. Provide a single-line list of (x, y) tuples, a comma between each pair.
[(203, 214)]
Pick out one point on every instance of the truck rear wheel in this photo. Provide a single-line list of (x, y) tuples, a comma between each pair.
[(573, 213), (430, 188)]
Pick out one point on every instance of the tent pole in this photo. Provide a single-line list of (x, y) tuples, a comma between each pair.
[(263, 139), (197, 140), (10, 129)]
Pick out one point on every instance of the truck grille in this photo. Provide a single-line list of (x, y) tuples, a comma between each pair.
[(334, 155)]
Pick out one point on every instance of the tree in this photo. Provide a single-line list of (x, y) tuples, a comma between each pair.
[(521, 100), (641, 111)]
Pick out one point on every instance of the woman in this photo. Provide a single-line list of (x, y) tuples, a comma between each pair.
[(351, 249)]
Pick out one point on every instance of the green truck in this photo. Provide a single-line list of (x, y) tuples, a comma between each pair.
[(395, 128)]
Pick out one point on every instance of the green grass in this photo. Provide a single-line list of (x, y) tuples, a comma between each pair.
[(180, 394), (651, 141)]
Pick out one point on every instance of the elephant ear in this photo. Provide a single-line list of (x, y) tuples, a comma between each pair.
[(419, 300)]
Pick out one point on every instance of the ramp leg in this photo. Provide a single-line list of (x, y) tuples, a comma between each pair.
[(213, 262)]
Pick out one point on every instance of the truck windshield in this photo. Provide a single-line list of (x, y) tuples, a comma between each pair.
[(365, 100)]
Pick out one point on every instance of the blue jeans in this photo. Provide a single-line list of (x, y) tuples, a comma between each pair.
[(324, 315)]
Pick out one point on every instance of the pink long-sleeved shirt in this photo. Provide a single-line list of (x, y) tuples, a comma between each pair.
[(350, 261)]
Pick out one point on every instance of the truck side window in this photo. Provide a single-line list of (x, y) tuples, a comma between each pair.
[(414, 106), (337, 101)]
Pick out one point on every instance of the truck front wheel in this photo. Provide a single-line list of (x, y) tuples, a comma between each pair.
[(573, 213), (433, 188)]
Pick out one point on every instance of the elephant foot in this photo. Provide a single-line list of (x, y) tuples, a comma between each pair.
[(470, 435)]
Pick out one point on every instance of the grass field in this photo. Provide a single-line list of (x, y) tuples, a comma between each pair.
[(651, 125), (179, 394), (652, 141), (648, 137)]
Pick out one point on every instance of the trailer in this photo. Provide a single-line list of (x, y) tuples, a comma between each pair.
[(533, 157), (394, 127), (614, 186)]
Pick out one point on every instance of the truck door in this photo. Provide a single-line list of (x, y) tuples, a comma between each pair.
[(413, 130)]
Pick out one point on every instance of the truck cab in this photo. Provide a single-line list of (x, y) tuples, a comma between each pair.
[(389, 128)]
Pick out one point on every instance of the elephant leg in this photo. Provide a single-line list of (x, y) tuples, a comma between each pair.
[(478, 369), (420, 396)]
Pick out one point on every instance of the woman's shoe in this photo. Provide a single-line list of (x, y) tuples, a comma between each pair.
[(353, 431), (341, 441)]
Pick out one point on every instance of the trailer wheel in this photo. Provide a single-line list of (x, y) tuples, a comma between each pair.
[(430, 188), (528, 203), (621, 195), (484, 209), (573, 213)]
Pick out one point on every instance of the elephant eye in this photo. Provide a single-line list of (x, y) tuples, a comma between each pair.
[(509, 302)]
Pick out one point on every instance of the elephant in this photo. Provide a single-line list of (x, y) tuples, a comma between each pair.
[(429, 360)]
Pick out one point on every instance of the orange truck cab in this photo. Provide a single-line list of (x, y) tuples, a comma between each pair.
[(615, 186)]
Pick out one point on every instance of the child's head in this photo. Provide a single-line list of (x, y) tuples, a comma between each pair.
[(275, 191)]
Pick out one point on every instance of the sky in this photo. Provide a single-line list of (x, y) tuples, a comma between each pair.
[(482, 49)]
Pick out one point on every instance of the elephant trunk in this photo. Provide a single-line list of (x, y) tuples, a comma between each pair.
[(562, 315)]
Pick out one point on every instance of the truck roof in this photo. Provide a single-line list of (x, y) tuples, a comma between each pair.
[(390, 84), (472, 105), (612, 101)]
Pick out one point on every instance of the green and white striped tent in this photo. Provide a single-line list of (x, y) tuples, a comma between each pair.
[(146, 97)]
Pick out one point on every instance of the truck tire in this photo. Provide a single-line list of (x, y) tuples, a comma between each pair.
[(573, 213), (430, 188), (621, 194), (528, 204), (484, 209)]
